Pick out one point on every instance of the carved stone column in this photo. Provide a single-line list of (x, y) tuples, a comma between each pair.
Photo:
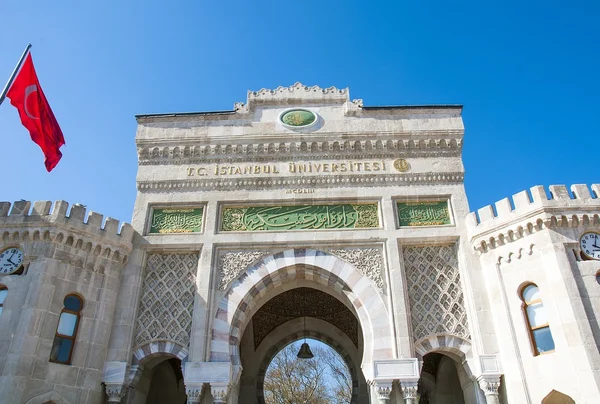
[(490, 386), (409, 391), (115, 392), (219, 393), (193, 394)]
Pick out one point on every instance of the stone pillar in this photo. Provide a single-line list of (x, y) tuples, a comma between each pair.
[(409, 391), (193, 394), (115, 392), (219, 392), (490, 386)]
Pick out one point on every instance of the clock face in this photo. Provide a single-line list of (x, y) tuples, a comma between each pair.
[(590, 245), (10, 260)]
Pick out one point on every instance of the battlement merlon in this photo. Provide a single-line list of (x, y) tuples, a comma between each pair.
[(583, 205), (44, 214)]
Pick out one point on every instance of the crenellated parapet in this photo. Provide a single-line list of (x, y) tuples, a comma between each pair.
[(84, 235), (529, 212)]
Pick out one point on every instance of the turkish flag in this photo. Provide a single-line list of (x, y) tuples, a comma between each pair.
[(36, 115)]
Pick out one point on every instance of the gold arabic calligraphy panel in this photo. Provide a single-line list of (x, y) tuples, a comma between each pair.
[(302, 217), (184, 220), (432, 213)]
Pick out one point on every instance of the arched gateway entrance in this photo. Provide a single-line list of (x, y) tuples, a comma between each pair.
[(251, 322)]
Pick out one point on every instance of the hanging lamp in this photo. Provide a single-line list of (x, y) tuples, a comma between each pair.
[(304, 352)]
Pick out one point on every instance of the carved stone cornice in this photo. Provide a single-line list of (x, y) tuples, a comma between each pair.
[(298, 93), (432, 144), (324, 181)]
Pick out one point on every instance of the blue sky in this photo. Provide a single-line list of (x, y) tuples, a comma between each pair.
[(526, 73)]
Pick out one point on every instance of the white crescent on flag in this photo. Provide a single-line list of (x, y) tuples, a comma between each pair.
[(28, 91)]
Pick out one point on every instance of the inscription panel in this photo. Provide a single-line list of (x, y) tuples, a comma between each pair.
[(300, 217), (176, 220), (425, 213)]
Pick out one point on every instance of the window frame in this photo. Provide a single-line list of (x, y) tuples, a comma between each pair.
[(75, 330), (3, 287), (530, 329)]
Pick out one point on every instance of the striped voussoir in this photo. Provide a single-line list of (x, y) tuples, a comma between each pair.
[(237, 306), (442, 343), (150, 353), (293, 337)]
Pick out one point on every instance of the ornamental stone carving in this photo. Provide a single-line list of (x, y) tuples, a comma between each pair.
[(114, 392), (434, 291), (367, 261), (167, 300), (232, 263)]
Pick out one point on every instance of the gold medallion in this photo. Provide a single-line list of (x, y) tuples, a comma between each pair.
[(401, 165)]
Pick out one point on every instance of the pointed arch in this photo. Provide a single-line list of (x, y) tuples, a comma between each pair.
[(447, 343), (238, 304), (556, 397)]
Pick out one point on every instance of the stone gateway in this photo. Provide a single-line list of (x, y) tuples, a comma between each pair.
[(301, 213)]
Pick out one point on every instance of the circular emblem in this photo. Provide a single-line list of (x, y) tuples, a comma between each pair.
[(401, 165), (298, 118)]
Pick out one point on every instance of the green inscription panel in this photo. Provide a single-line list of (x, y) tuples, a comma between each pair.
[(184, 220), (305, 217), (423, 213)]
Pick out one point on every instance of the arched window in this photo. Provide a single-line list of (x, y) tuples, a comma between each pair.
[(68, 322), (539, 329), (3, 293)]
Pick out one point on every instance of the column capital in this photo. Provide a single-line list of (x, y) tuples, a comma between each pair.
[(489, 384), (409, 390), (115, 391), (193, 393), (219, 392), (383, 388)]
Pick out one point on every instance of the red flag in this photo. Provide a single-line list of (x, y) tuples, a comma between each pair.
[(36, 115)]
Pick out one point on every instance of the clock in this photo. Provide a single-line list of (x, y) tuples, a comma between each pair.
[(590, 245), (10, 260)]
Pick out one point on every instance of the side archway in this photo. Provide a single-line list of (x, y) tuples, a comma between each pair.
[(445, 343), (243, 297), (556, 397)]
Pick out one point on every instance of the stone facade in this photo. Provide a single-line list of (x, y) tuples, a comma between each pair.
[(238, 212)]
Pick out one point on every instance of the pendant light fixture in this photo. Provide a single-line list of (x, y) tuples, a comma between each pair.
[(304, 352)]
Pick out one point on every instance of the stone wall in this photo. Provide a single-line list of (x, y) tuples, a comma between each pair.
[(66, 252)]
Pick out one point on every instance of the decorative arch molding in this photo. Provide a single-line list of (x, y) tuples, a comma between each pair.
[(152, 353), (443, 343), (241, 299), (153, 348), (50, 397)]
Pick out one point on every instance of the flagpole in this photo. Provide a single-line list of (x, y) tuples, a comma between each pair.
[(14, 73)]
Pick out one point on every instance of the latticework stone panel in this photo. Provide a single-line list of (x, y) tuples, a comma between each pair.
[(434, 291), (166, 304)]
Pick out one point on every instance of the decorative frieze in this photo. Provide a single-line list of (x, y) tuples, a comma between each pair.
[(232, 263), (423, 213), (300, 217), (327, 182), (368, 261), (176, 220)]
